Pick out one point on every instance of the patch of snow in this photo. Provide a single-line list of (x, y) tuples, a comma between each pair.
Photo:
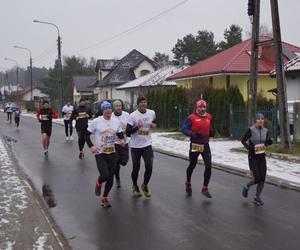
[(13, 198), (287, 171), (41, 241)]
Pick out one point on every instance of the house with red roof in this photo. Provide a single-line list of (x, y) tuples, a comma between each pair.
[(231, 67)]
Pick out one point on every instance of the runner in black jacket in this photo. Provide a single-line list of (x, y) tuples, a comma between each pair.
[(81, 115)]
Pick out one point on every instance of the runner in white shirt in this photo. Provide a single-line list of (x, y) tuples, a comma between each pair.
[(139, 127), (67, 113), (106, 130), (121, 151)]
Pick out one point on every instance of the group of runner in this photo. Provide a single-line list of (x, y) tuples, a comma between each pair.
[(113, 127), (10, 109)]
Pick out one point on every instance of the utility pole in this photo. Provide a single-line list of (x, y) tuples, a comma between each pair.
[(60, 69), (30, 63), (254, 13), (31, 96), (280, 77)]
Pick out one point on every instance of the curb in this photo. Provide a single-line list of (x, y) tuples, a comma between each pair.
[(232, 170), (37, 199)]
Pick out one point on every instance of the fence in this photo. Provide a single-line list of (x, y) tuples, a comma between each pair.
[(239, 121)]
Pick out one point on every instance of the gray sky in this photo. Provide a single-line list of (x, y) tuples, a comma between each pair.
[(85, 22)]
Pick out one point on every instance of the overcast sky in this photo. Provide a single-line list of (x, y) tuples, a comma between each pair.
[(84, 23)]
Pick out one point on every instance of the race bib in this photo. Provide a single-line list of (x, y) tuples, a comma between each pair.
[(197, 147), (44, 117), (82, 115), (68, 115), (260, 149), (143, 132), (108, 149)]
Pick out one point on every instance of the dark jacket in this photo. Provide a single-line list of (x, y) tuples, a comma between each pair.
[(81, 115)]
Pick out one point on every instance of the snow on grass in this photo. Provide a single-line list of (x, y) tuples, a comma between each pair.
[(288, 171), (13, 199), (41, 240)]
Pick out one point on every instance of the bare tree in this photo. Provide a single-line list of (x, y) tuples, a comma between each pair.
[(264, 30)]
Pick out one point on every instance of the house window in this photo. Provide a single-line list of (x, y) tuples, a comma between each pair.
[(227, 82), (144, 72), (211, 81), (106, 94)]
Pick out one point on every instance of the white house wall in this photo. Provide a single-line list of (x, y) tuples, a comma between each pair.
[(35, 92), (104, 74), (143, 66), (293, 88)]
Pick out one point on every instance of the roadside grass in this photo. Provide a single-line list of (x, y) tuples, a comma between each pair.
[(177, 136)]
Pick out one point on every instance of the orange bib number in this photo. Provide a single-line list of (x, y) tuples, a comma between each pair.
[(197, 147), (260, 149), (108, 149)]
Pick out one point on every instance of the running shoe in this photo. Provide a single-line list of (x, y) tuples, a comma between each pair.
[(98, 188), (105, 203), (245, 192), (258, 201), (71, 138), (67, 138), (206, 193), (118, 183), (146, 191), (46, 154), (136, 191), (188, 188), (81, 155)]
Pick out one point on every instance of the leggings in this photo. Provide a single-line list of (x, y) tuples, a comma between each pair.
[(9, 116), (122, 156), (193, 157), (106, 164), (136, 155), (81, 139), (17, 121), (258, 167), (68, 126)]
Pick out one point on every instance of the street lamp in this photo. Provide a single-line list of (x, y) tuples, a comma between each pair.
[(12, 60), (59, 56), (251, 10), (18, 47), (3, 79)]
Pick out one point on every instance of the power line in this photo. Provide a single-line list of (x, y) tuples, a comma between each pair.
[(46, 51), (135, 27)]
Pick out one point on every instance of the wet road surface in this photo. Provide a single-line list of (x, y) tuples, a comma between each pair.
[(169, 220)]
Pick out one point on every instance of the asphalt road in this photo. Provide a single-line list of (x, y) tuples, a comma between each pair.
[(169, 220)]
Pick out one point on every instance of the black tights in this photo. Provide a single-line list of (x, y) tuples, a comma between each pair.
[(193, 157), (106, 164), (68, 126), (81, 139), (136, 155), (122, 156), (258, 167)]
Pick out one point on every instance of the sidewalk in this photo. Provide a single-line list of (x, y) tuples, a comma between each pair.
[(24, 222), (280, 172)]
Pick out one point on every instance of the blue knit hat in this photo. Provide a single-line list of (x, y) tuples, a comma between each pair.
[(105, 105), (259, 116)]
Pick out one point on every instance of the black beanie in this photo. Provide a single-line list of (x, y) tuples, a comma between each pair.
[(140, 99)]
